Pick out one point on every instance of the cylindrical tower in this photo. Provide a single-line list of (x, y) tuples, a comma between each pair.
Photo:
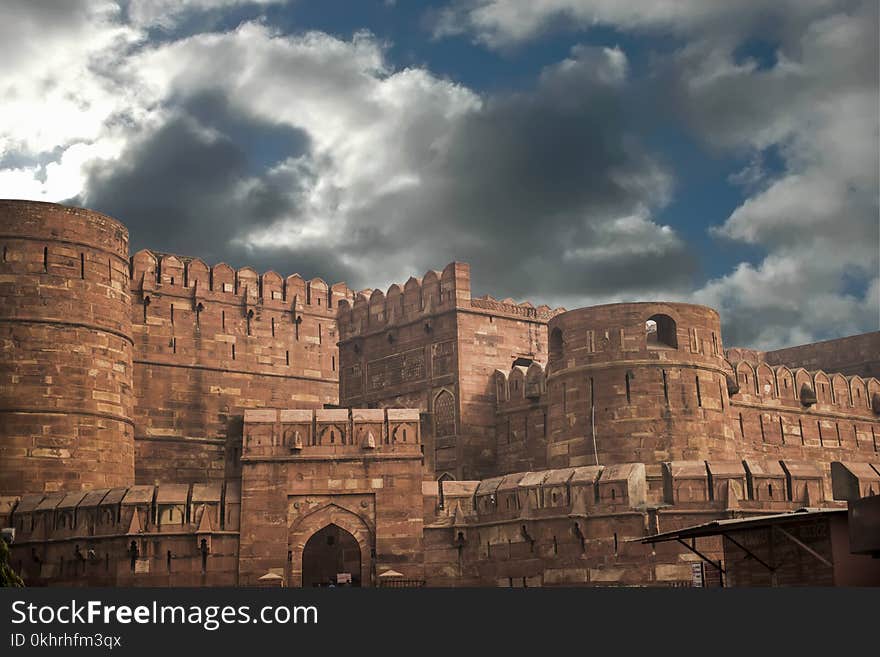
[(637, 382), (65, 371)]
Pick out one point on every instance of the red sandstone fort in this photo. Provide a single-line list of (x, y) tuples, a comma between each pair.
[(164, 422)]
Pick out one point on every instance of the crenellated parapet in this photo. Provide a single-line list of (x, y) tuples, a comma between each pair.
[(748, 486), (130, 536), (171, 534), (512, 309), (775, 407), (436, 292), (127, 511), (778, 385), (329, 433), (520, 385), (153, 272)]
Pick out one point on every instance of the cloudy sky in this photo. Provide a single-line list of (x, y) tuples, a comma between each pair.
[(572, 151)]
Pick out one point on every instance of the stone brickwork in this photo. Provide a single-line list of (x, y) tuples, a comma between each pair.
[(580, 526), (857, 354), (168, 535), (625, 394), (210, 343), (358, 469), (163, 422), (65, 373), (431, 346)]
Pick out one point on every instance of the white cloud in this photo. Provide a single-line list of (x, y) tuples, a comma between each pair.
[(501, 23), (630, 236), (816, 104), (60, 94), (818, 218), (167, 13), (401, 168)]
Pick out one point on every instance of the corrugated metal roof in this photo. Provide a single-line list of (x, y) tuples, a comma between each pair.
[(716, 527)]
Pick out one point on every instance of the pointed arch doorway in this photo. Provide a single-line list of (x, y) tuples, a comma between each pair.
[(330, 552)]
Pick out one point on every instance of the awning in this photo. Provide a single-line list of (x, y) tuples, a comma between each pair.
[(718, 527), (726, 527)]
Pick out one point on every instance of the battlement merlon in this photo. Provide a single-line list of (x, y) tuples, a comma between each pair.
[(188, 277), (333, 432), (749, 486), (373, 311), (818, 390)]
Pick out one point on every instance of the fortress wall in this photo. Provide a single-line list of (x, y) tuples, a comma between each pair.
[(857, 354), (768, 414), (170, 535), (431, 346), (360, 469), (490, 339), (521, 421), (777, 412), (66, 375), (581, 526), (398, 349), (210, 343), (641, 398)]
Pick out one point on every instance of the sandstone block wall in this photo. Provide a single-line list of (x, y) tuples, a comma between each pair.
[(635, 395), (66, 372), (780, 413), (358, 469), (210, 343), (431, 346), (491, 443), (857, 354), (170, 535), (581, 526)]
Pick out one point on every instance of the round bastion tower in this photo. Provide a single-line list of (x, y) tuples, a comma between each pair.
[(65, 371), (643, 382)]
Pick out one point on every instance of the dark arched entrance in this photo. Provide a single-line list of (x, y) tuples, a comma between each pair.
[(330, 552)]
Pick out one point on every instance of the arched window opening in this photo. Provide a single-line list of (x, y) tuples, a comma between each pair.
[(444, 414), (660, 331)]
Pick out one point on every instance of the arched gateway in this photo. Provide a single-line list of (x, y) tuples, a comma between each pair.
[(331, 553), (328, 542)]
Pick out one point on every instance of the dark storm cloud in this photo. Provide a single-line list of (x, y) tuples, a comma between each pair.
[(201, 180), (534, 175), (520, 188)]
